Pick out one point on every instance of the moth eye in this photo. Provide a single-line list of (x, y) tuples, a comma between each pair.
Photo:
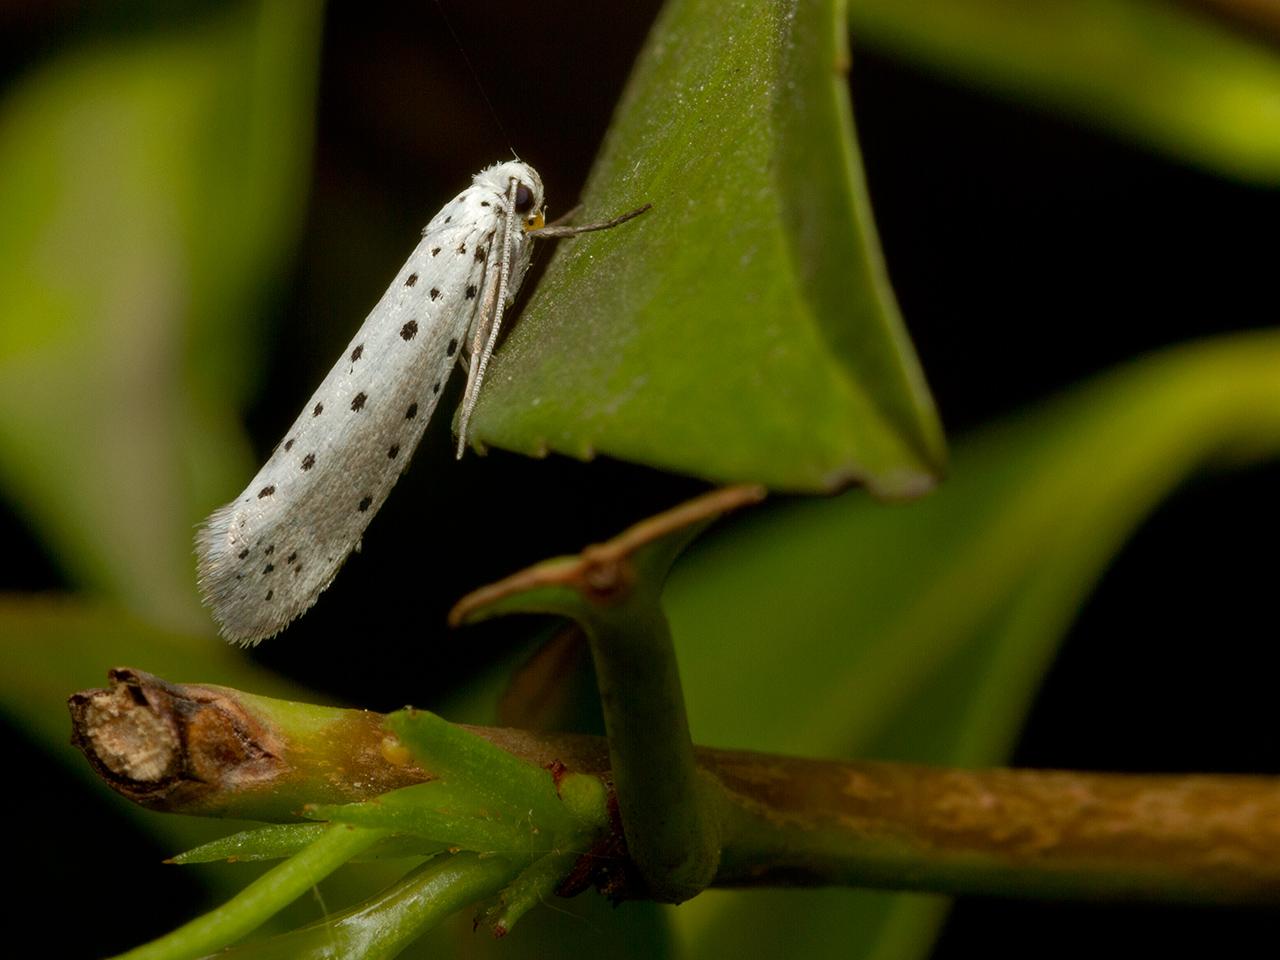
[(524, 199)]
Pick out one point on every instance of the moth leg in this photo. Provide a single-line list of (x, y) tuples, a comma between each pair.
[(488, 322)]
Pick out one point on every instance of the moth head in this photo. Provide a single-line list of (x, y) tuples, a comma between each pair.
[(528, 197)]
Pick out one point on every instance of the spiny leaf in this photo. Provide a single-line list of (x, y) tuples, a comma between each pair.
[(743, 329)]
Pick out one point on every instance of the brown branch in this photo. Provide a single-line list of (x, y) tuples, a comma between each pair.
[(1257, 18), (786, 821), (604, 570), (214, 751), (1025, 833)]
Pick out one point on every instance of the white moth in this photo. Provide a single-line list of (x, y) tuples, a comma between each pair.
[(265, 557)]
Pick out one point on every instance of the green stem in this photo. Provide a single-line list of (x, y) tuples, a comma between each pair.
[(613, 591), (668, 812), (262, 899), (383, 926)]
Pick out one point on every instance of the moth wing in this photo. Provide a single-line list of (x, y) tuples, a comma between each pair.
[(264, 558)]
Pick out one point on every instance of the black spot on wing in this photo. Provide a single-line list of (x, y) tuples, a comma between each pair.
[(243, 553), (308, 461), (317, 410), (357, 352), (268, 568), (453, 348), (435, 251), (288, 445), (409, 330), (411, 280), (411, 412), (393, 451), (266, 491), (357, 402), (435, 293), (364, 504), (471, 291)]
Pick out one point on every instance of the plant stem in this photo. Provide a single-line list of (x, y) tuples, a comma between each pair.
[(214, 751), (784, 821), (668, 813), (262, 899), (1018, 833), (613, 591), (383, 926)]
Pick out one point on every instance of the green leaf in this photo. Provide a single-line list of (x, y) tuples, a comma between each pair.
[(744, 328), (1154, 72), (438, 813), (842, 628), (271, 842), (149, 185), (278, 840), (536, 884), (467, 763)]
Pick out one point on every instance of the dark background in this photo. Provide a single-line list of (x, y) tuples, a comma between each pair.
[(1028, 253)]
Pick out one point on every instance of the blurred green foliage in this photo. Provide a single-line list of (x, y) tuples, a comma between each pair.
[(1152, 71), (921, 634), (152, 186)]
